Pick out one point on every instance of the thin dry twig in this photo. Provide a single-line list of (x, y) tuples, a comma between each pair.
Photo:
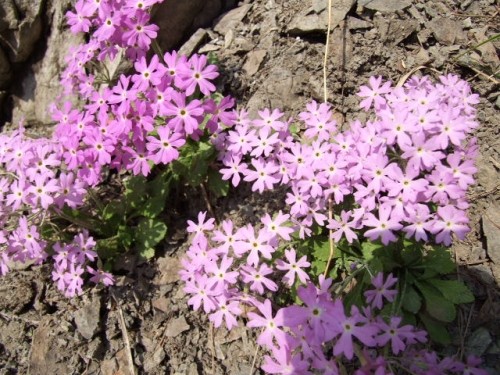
[(254, 359), (123, 327), (126, 340), (325, 97), (212, 346)]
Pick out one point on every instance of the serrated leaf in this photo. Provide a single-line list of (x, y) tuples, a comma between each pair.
[(108, 247), (217, 186), (436, 330), (453, 290), (435, 304), (135, 191), (412, 301), (147, 253), (368, 249), (439, 261), (320, 248), (149, 232)]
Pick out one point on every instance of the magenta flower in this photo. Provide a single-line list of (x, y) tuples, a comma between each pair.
[(383, 226), (450, 220), (343, 227), (293, 267), (197, 74), (264, 176), (140, 33), (269, 324), (226, 310), (382, 290), (185, 117), (285, 363), (374, 93), (165, 148), (257, 279)]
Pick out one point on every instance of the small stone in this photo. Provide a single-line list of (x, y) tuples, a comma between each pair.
[(354, 23), (231, 19), (310, 22), (109, 367), (385, 5), (447, 31), (176, 327), (491, 228), (152, 361), (193, 369), (228, 38), (478, 342), (163, 304), (168, 271), (193, 43), (87, 319), (209, 48), (254, 61)]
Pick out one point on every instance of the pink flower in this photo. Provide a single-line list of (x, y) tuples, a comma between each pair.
[(165, 147), (271, 325), (374, 93), (383, 226), (293, 267), (375, 296), (198, 74)]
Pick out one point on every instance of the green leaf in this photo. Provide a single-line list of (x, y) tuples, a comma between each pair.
[(108, 247), (437, 261), (437, 331), (412, 301), (217, 186), (158, 190), (320, 247), (147, 253), (453, 290), (368, 248), (436, 304), (135, 191), (112, 216), (149, 233)]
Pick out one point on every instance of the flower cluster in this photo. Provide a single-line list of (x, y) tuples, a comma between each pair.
[(139, 121), (31, 180), (71, 264), (228, 271), (145, 117), (408, 169)]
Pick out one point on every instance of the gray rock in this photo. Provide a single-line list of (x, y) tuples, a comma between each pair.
[(8, 15), (385, 5), (447, 31), (310, 21), (25, 28), (168, 271), (231, 19), (87, 319), (176, 327), (152, 360), (179, 18), (254, 61), (5, 70), (354, 23), (194, 42), (41, 86), (491, 228)]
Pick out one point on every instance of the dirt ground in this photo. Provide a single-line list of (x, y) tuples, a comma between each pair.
[(271, 55)]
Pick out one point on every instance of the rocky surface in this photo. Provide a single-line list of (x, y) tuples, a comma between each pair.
[(270, 53)]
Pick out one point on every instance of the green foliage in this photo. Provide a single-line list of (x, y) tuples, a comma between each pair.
[(427, 295), (133, 219), (194, 167)]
